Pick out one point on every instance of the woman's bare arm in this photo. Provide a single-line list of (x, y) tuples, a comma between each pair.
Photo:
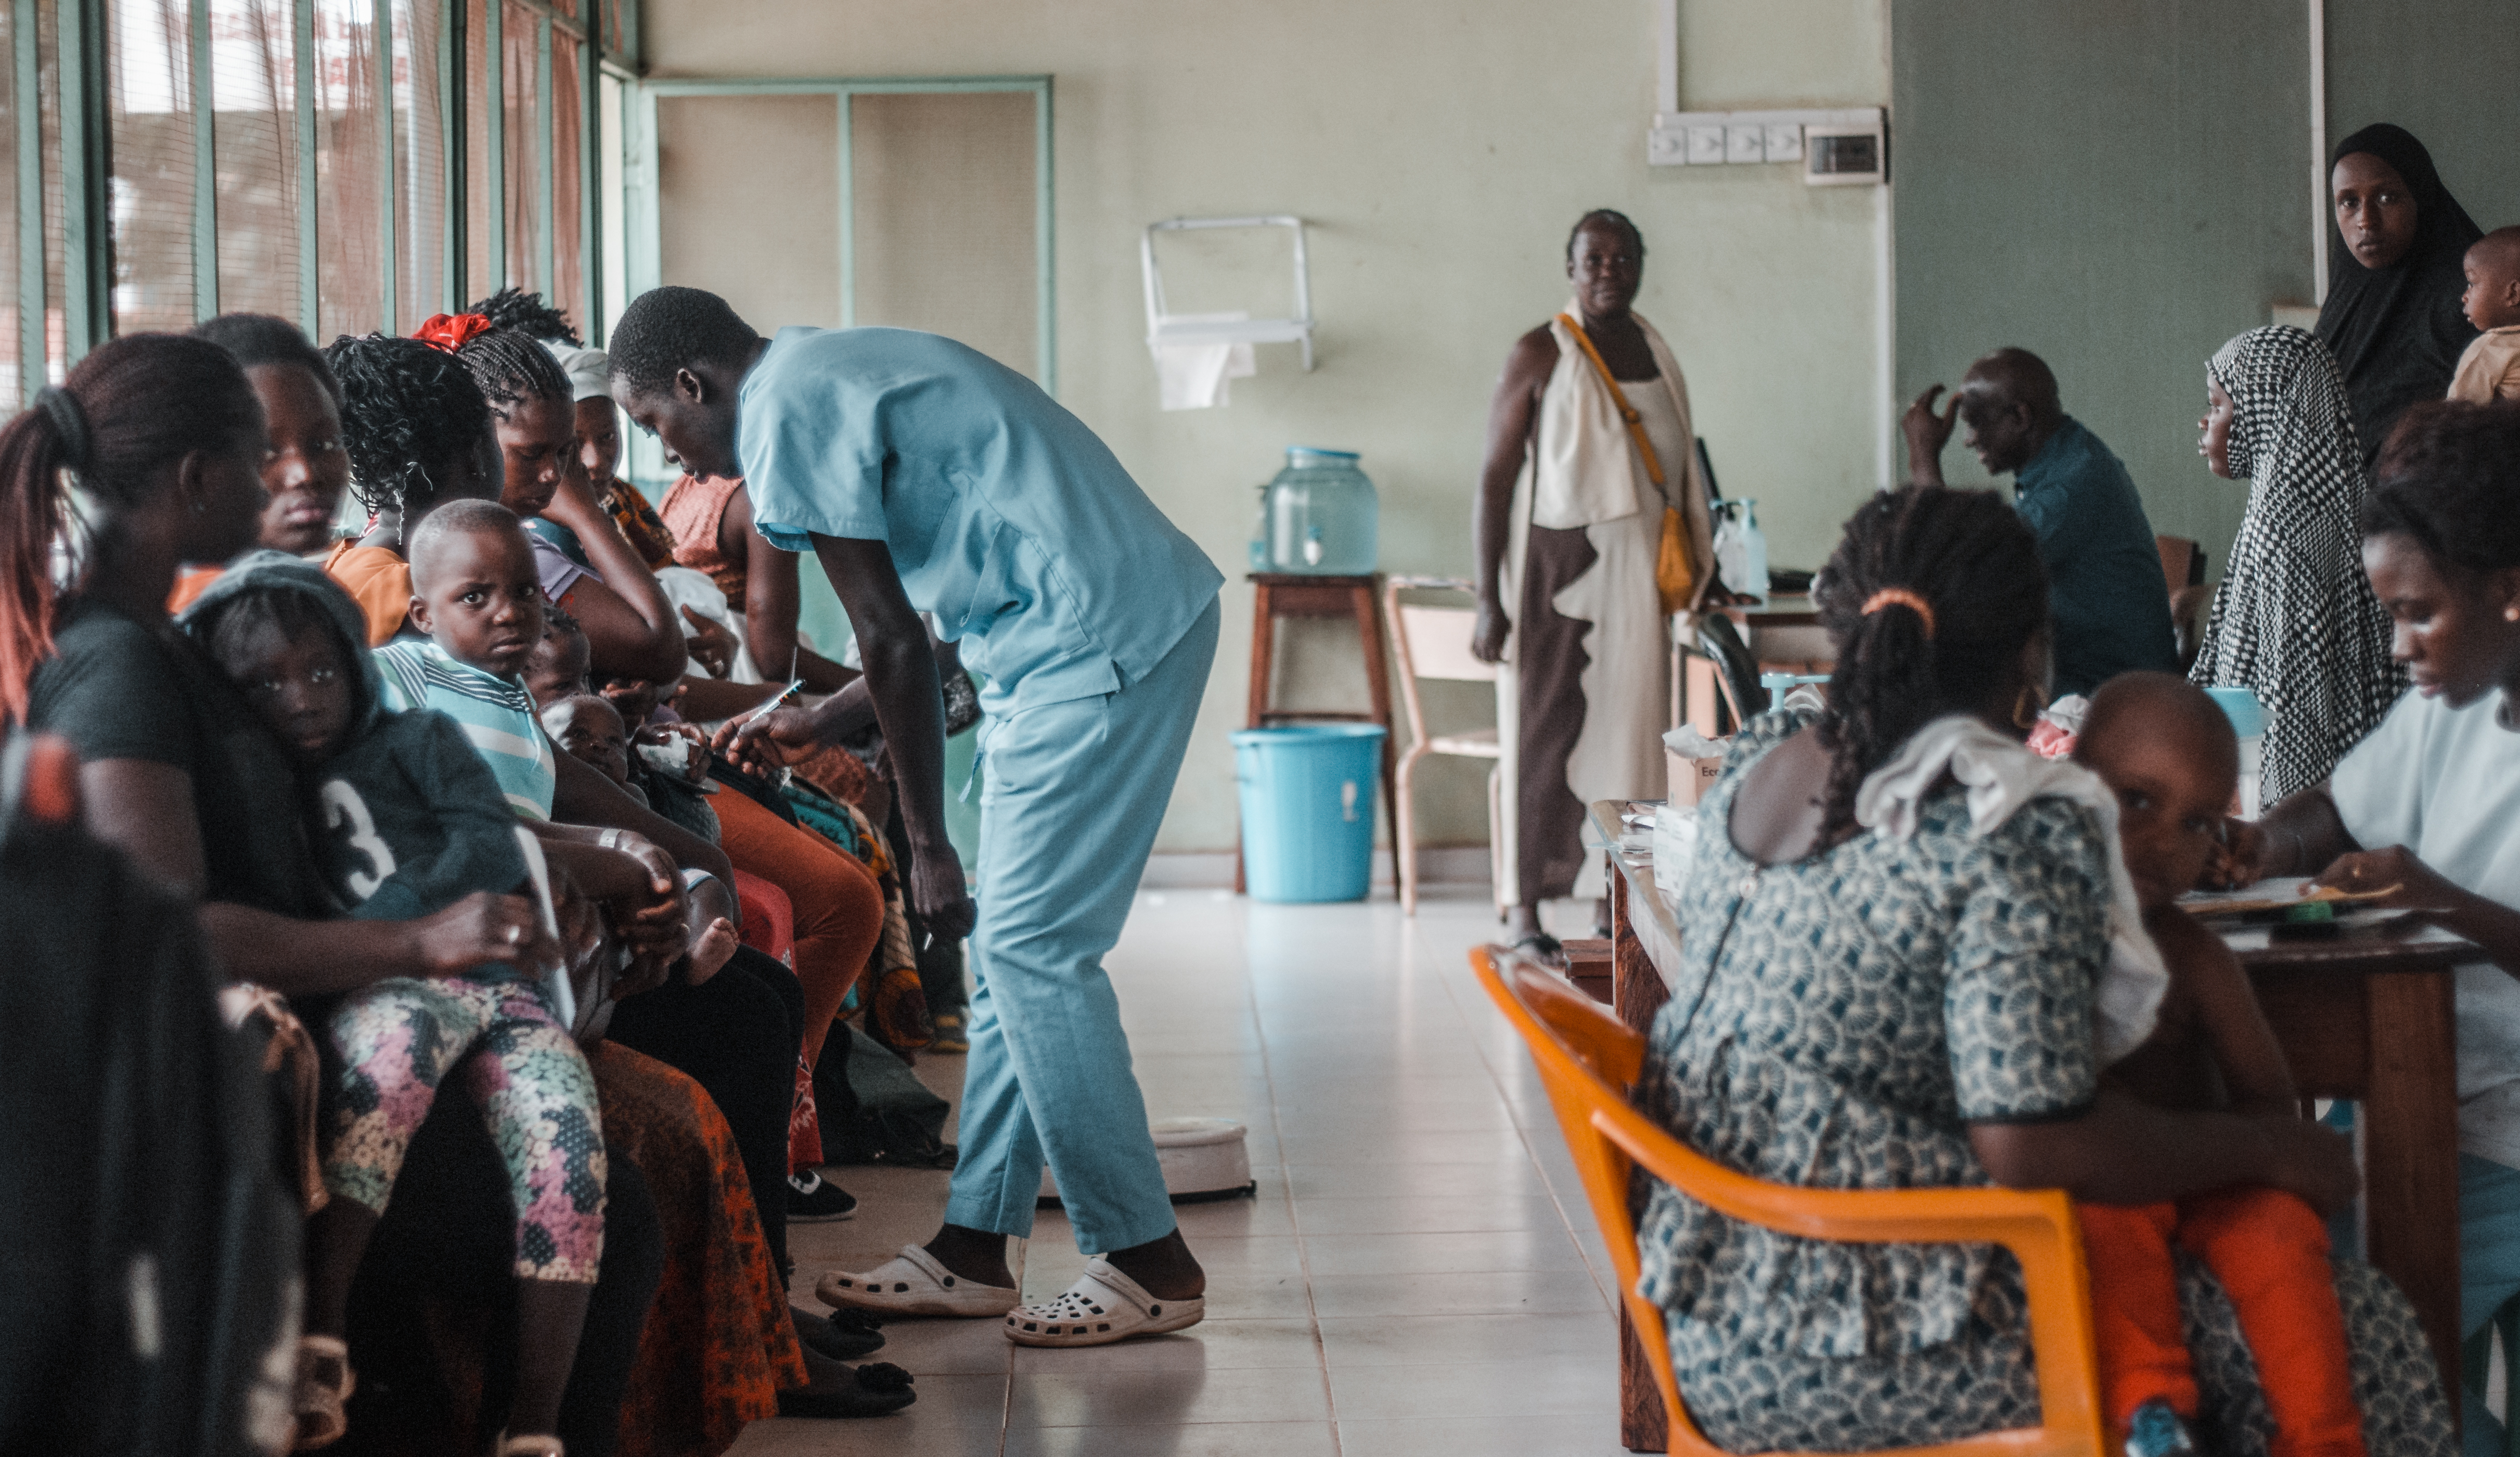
[(2126, 1152), (144, 809), (584, 796), (770, 588), (631, 631), (1510, 417), (2300, 836)]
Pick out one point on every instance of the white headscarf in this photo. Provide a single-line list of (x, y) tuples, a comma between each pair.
[(589, 371)]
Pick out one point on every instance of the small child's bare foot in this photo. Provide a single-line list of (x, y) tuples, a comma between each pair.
[(712, 948)]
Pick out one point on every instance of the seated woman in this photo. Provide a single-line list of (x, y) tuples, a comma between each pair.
[(1885, 996), (305, 469), (629, 625), (165, 436), (599, 424), (417, 432), (2428, 806)]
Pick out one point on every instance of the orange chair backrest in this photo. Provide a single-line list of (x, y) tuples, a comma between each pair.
[(1588, 1059)]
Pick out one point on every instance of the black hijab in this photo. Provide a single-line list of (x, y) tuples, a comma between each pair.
[(2397, 332)]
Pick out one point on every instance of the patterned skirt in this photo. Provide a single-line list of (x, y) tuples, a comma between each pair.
[(1984, 1381), (718, 1345)]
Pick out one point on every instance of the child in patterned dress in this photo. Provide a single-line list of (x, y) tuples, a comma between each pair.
[(2169, 755), (413, 821)]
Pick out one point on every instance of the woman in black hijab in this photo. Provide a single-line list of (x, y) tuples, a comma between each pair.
[(2392, 317)]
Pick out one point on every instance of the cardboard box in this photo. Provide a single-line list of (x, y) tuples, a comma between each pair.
[(1691, 778)]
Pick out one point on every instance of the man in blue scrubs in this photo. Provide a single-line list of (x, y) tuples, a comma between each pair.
[(929, 478)]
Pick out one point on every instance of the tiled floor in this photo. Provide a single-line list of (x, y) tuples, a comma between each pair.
[(1419, 1274)]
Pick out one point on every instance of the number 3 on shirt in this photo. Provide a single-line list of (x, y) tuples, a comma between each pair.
[(342, 807)]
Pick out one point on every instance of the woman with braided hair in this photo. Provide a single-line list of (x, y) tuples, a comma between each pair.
[(417, 433), (1891, 980), (588, 566)]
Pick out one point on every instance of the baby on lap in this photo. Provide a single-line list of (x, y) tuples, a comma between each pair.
[(2167, 754)]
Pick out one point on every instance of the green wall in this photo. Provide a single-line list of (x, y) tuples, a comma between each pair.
[(2443, 71), (2118, 188)]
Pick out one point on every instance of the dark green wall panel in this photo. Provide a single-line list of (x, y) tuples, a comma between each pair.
[(2118, 186)]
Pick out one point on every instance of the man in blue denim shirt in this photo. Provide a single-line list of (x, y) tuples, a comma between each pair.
[(2110, 601)]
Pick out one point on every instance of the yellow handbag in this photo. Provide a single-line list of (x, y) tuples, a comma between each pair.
[(1674, 574)]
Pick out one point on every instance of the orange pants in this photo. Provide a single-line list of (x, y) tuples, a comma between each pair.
[(838, 906), (2269, 1251)]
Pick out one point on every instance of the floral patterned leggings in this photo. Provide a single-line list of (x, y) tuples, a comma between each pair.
[(398, 1040)]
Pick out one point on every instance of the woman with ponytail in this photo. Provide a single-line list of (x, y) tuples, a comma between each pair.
[(147, 457), (1891, 980)]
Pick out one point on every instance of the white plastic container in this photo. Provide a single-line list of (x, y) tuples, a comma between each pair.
[(1675, 846), (1202, 1158), (2249, 721), (1740, 547)]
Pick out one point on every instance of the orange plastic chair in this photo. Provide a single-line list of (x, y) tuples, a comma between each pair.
[(1588, 1059)]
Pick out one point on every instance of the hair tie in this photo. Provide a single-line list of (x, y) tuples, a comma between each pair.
[(70, 421), (1902, 597), (449, 333)]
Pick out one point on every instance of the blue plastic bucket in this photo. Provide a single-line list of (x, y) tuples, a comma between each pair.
[(1308, 793)]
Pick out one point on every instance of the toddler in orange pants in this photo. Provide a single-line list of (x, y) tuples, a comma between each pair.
[(2169, 755)]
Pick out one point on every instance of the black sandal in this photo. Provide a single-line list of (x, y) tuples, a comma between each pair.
[(1542, 947)]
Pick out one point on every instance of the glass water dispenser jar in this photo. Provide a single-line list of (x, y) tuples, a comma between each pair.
[(1317, 517)]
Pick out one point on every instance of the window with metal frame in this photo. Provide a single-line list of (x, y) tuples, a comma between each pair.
[(353, 165)]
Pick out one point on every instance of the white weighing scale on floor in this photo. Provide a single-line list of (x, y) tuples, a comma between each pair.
[(1202, 1158)]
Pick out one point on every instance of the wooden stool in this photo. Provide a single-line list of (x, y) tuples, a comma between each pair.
[(1278, 594)]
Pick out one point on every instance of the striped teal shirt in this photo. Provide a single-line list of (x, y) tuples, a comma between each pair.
[(497, 715)]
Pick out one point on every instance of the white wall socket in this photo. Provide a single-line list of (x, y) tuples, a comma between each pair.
[(1699, 139)]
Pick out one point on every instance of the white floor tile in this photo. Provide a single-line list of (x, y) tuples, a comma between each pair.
[(1417, 1273)]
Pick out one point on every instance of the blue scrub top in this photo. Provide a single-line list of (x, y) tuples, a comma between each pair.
[(1006, 517)]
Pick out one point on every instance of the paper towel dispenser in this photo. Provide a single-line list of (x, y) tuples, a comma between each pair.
[(1163, 328)]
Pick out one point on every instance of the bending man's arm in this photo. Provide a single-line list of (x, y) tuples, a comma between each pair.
[(910, 703)]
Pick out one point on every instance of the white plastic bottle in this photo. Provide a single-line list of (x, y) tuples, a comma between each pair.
[(2248, 720), (1741, 548)]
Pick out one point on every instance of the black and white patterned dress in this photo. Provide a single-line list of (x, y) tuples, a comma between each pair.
[(1868, 1004), (2295, 621)]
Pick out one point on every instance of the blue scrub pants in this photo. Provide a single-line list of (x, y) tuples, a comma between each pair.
[(1072, 796)]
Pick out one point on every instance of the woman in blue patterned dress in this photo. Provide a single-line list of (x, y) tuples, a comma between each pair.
[(1915, 1005)]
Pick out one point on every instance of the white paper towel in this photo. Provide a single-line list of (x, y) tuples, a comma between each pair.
[(1193, 377)]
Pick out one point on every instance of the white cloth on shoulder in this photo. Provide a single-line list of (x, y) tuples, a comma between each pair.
[(2001, 775)]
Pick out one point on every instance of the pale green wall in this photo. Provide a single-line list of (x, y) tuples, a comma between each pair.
[(1440, 153), (2117, 188)]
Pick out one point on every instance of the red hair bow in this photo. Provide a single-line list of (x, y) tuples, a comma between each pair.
[(452, 332)]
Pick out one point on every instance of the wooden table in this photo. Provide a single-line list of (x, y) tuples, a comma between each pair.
[(2362, 1014)]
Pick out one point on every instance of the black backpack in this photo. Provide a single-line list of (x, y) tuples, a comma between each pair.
[(874, 1109), (149, 1283)]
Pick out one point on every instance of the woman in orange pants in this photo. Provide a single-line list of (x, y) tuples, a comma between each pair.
[(2269, 1251), (840, 908)]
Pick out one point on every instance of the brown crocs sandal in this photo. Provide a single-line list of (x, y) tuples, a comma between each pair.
[(531, 1446)]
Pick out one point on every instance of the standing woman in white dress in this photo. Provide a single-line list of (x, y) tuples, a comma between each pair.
[(1591, 466)]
